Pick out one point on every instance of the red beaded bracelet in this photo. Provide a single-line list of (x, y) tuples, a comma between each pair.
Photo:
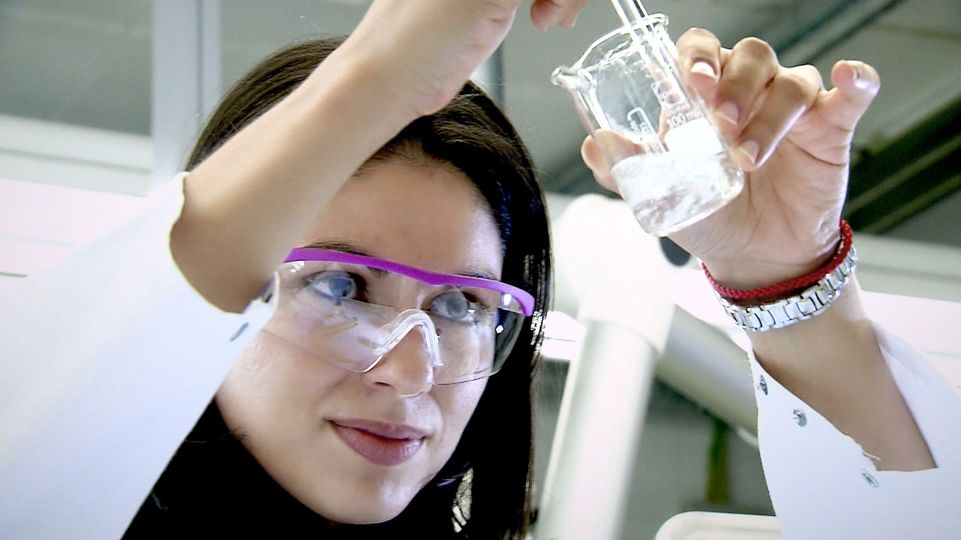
[(786, 288)]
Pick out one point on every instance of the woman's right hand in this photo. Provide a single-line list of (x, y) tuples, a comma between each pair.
[(425, 50)]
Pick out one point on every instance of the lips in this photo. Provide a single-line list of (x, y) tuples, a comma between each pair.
[(380, 443)]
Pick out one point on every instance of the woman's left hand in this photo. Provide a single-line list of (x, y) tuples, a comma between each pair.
[(791, 137)]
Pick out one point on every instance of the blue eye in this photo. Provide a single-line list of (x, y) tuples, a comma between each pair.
[(456, 306), (335, 285), (452, 305)]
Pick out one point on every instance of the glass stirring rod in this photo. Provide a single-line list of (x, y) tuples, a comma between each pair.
[(633, 14), (630, 11)]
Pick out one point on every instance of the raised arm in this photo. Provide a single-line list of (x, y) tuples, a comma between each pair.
[(792, 138), (250, 201)]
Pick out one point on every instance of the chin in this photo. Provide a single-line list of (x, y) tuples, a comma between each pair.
[(360, 506), (364, 514)]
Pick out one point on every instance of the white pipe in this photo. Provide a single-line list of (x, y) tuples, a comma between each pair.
[(624, 299), (708, 368), (598, 434)]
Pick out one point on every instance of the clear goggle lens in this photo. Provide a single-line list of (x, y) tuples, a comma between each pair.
[(346, 314)]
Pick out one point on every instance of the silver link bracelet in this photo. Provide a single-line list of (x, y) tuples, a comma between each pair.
[(809, 303)]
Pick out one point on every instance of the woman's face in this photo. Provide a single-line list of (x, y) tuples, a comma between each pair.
[(302, 418)]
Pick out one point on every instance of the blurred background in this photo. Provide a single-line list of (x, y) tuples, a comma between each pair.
[(100, 100)]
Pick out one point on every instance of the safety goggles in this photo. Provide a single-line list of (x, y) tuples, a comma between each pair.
[(351, 310)]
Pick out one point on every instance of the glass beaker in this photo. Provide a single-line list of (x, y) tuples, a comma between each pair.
[(668, 160)]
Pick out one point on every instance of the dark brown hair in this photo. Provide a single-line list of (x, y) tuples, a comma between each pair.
[(484, 489)]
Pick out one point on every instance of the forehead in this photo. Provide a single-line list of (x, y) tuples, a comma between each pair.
[(425, 215)]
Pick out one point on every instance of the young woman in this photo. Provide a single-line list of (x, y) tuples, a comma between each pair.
[(354, 435), (378, 380)]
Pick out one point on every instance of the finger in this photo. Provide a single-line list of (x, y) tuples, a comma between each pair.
[(856, 84), (791, 93), (595, 161), (699, 58), (548, 13), (748, 70), (576, 7)]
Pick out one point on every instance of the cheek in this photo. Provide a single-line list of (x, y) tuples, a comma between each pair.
[(247, 385), (272, 389), (457, 404)]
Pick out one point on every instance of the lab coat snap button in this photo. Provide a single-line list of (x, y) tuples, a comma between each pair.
[(800, 418), (239, 331), (762, 385), (872, 481)]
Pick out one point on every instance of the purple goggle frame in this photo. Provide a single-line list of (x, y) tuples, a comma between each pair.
[(524, 299)]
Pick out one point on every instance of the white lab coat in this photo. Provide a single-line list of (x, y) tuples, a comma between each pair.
[(107, 362), (825, 487)]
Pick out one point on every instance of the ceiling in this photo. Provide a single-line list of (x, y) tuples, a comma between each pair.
[(88, 63)]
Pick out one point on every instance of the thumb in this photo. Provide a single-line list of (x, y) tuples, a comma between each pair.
[(855, 86), (604, 148), (595, 161)]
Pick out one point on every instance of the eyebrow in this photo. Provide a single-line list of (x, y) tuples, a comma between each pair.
[(347, 247), (338, 246)]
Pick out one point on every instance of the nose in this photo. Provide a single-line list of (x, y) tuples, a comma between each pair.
[(408, 365)]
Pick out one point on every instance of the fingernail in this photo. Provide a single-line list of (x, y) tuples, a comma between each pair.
[(750, 150), (704, 68), (728, 112), (860, 82)]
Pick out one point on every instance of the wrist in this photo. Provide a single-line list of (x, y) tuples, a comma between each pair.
[(754, 274), (793, 300), (360, 86), (746, 273), (845, 322), (402, 88)]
